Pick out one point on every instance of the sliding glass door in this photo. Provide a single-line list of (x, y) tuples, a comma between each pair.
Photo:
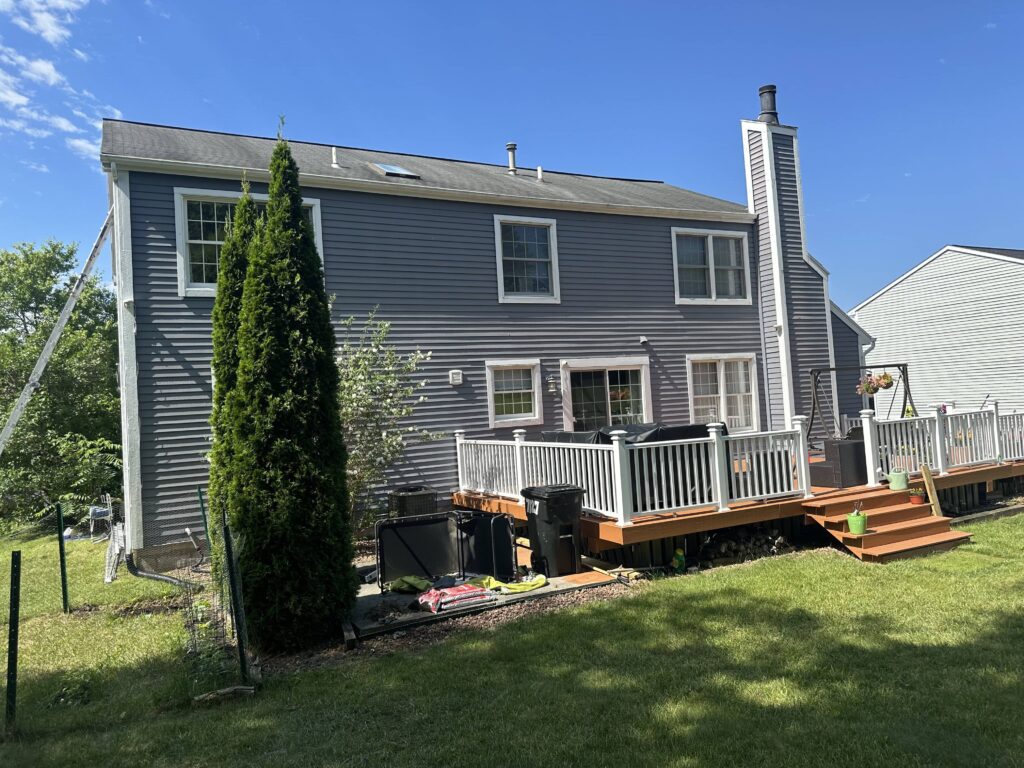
[(603, 398)]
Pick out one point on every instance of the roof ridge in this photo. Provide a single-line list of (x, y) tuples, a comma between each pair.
[(386, 151)]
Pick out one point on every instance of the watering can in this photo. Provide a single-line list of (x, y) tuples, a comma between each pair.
[(897, 480)]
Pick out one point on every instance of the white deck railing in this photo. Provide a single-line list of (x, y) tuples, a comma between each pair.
[(764, 465), (1011, 436), (942, 440), (622, 480), (906, 443)]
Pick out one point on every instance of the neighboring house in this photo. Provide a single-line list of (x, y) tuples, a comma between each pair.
[(549, 300), (957, 319)]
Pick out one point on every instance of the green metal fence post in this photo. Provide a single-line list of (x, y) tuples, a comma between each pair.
[(236, 601), (206, 524), (63, 559), (12, 641)]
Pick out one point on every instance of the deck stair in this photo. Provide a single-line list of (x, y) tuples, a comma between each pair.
[(896, 528)]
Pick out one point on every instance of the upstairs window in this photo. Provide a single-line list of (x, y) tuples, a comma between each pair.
[(527, 254), (710, 267), (201, 221)]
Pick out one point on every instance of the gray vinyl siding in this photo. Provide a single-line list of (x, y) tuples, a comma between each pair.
[(772, 364), (806, 302), (430, 266), (958, 321), (846, 344)]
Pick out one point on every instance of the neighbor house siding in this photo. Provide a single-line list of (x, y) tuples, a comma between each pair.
[(430, 267), (806, 300), (958, 321), (772, 364), (846, 342)]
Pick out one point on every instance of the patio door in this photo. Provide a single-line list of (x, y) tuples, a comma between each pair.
[(607, 397)]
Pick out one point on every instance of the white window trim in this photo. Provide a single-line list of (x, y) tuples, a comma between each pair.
[(551, 224), (209, 290), (537, 417), (722, 358), (640, 363), (738, 234)]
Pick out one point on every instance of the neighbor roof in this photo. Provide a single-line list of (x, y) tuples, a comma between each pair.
[(1014, 253), (180, 150)]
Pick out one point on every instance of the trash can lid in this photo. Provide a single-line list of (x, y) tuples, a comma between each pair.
[(545, 492)]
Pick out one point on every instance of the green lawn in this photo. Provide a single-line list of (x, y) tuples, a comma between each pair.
[(806, 660)]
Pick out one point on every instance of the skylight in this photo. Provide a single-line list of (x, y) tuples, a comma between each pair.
[(389, 169)]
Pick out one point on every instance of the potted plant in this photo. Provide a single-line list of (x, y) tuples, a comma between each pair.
[(917, 495), (857, 521), (884, 381)]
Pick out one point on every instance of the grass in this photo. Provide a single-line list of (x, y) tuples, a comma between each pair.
[(804, 660)]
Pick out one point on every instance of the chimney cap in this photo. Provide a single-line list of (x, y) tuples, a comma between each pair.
[(511, 146), (769, 114)]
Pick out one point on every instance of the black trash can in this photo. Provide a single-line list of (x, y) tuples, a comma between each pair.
[(412, 500), (553, 517)]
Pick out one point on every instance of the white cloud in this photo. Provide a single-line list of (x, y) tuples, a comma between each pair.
[(991, 25), (37, 167), (89, 149), (38, 70), (50, 19), (10, 96), (28, 84), (20, 126)]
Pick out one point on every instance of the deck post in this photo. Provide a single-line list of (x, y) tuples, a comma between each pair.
[(867, 420), (519, 437), (997, 439), (803, 465), (941, 459), (460, 435), (720, 465), (623, 482)]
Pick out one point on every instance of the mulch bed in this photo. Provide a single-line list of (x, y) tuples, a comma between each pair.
[(417, 638)]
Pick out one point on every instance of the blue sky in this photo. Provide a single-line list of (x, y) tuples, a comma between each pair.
[(905, 109)]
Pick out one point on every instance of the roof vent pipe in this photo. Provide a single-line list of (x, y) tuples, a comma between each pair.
[(768, 112), (540, 173), (511, 147), (334, 157)]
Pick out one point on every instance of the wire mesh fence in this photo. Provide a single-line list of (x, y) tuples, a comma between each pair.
[(216, 648)]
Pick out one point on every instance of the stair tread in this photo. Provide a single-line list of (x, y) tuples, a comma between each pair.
[(911, 544), (902, 525), (827, 501), (898, 507)]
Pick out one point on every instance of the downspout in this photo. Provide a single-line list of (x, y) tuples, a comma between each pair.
[(134, 570)]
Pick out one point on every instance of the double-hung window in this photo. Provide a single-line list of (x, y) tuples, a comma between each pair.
[(711, 267), (723, 390), (527, 256), (201, 220), (513, 393)]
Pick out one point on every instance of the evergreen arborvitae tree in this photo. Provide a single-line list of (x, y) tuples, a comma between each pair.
[(227, 307), (288, 498)]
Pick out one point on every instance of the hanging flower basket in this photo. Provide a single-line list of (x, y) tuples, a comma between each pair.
[(884, 381), (867, 386)]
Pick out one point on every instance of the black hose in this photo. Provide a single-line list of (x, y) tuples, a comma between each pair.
[(134, 570)]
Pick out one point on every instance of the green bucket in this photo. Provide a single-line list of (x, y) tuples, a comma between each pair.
[(898, 480), (858, 524)]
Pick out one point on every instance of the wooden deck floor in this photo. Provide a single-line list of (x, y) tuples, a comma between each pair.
[(603, 533)]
